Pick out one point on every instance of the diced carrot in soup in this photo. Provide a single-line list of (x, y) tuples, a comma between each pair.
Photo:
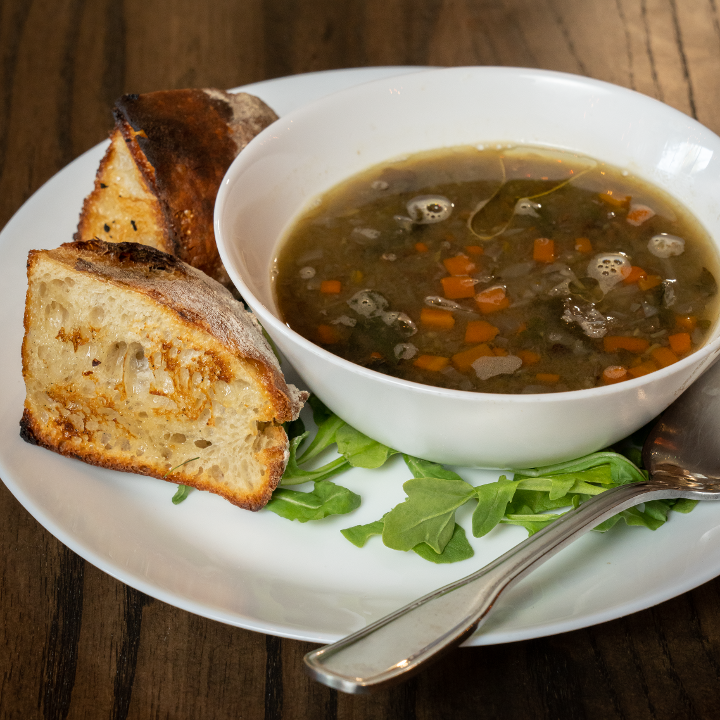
[(643, 369), (638, 214), (649, 281), (614, 199), (456, 288), (328, 334), (547, 378), (330, 287), (441, 319), (478, 331), (633, 275), (686, 322), (434, 363), (460, 265), (529, 357), (613, 343), (583, 245), (664, 356), (464, 360), (681, 343), (492, 300), (544, 250)]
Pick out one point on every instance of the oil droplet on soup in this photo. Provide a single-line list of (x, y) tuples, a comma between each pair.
[(513, 270)]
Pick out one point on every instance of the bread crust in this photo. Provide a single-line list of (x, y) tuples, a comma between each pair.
[(188, 310), (273, 458), (180, 143)]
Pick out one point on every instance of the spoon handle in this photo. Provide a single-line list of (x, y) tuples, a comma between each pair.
[(397, 645)]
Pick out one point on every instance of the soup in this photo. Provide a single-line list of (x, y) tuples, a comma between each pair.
[(504, 270)]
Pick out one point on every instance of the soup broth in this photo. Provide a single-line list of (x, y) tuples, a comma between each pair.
[(504, 270)]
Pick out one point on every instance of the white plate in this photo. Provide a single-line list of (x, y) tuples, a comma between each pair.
[(264, 573)]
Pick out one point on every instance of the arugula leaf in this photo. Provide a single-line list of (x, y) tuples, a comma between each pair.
[(531, 522), (326, 499), (545, 484), (607, 524), (358, 535), (424, 468), (493, 499), (538, 494), (560, 485), (180, 494), (652, 520), (427, 515), (295, 475), (360, 450), (623, 471), (539, 501), (320, 410), (657, 509), (458, 548), (357, 450), (683, 505), (324, 438)]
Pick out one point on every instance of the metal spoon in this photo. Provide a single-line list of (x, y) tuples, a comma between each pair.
[(682, 454)]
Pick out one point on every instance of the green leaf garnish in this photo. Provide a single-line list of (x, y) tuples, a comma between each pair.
[(531, 522), (425, 468), (326, 499), (320, 410), (295, 475), (360, 450), (458, 548), (358, 535), (493, 499), (180, 494), (623, 471), (324, 437), (428, 514)]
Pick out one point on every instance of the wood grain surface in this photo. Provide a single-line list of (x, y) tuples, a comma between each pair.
[(74, 642)]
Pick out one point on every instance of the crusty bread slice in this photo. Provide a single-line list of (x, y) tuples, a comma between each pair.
[(135, 361), (158, 179)]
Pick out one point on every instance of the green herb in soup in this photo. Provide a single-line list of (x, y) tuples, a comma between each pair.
[(509, 270)]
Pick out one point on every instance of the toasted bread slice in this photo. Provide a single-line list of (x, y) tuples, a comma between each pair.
[(157, 182), (135, 361)]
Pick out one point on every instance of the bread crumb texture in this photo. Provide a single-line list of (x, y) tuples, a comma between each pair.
[(135, 361)]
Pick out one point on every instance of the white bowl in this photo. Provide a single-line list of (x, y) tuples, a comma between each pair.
[(312, 149)]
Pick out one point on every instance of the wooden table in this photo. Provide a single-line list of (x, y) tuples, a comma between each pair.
[(78, 644)]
